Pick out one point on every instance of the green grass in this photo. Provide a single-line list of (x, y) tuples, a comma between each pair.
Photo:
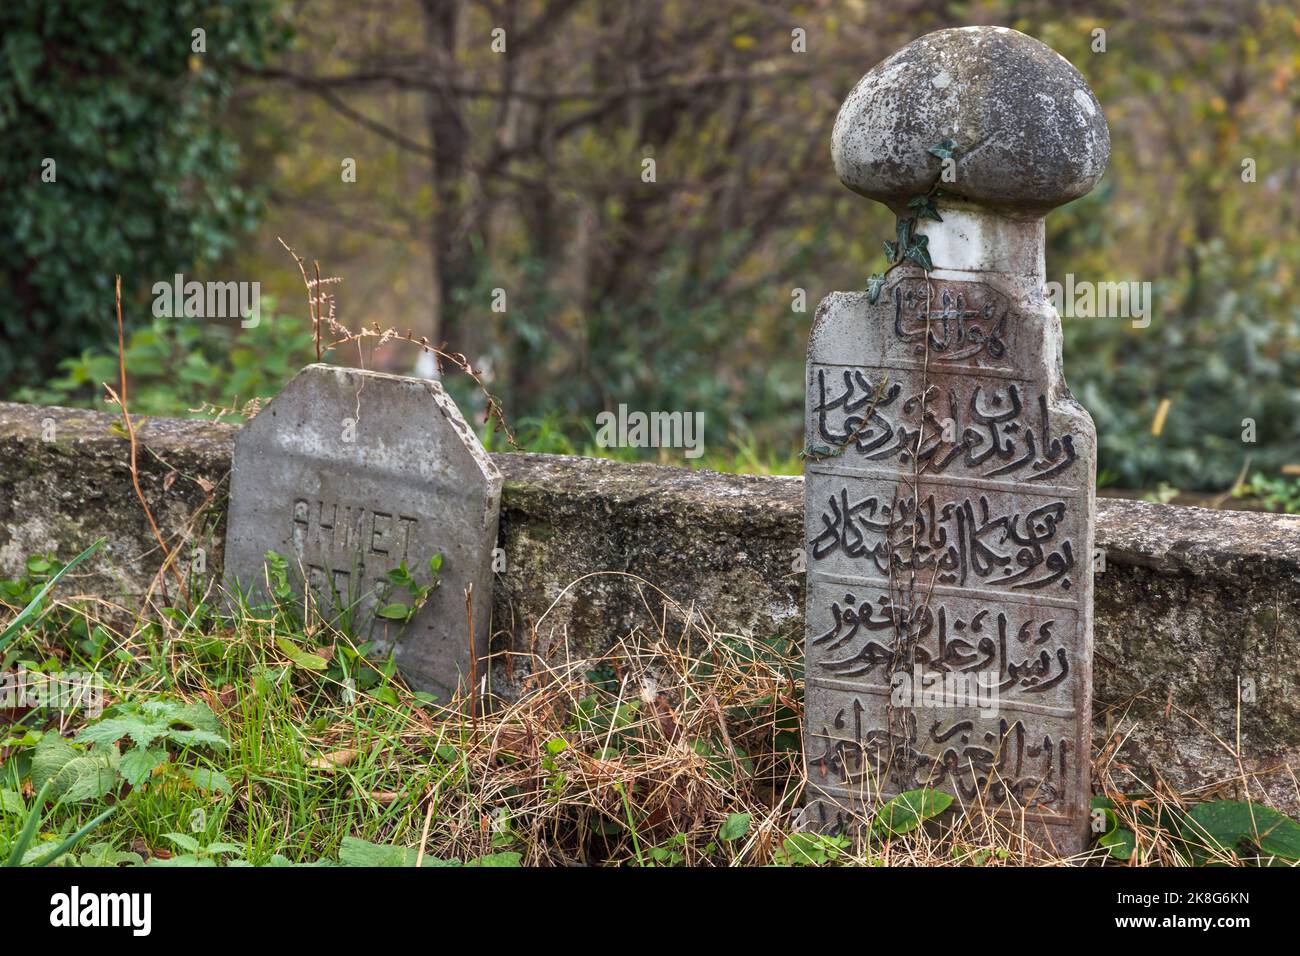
[(741, 453), (274, 741)]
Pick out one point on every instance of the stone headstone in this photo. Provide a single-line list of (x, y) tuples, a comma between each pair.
[(950, 473), (348, 474)]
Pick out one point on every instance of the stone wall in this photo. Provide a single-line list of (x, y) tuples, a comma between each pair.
[(1191, 601)]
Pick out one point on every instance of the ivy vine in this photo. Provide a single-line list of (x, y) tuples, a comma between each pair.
[(907, 246)]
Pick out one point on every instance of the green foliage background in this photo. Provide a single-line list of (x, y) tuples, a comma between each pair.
[(145, 178), (673, 295)]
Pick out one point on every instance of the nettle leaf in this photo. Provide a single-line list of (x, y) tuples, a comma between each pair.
[(51, 755), (137, 765), (142, 730), (196, 715), (206, 779), (85, 778), (198, 738), (185, 842), (874, 285), (944, 149), (11, 802), (919, 252), (909, 810)]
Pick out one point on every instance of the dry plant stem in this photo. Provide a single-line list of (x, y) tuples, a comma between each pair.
[(424, 834), (315, 324), (316, 299), (473, 659), (121, 400)]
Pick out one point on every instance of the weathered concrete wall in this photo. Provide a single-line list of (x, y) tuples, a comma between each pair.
[(1191, 601)]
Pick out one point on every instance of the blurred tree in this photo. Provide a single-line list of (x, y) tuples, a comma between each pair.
[(539, 124), (504, 146), (509, 140), (111, 160)]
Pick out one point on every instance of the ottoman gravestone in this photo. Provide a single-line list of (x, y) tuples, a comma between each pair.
[(949, 475), (350, 475)]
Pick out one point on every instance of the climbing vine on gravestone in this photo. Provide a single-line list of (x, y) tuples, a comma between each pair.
[(907, 246)]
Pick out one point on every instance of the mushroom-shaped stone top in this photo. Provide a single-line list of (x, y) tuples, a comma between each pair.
[(1029, 133)]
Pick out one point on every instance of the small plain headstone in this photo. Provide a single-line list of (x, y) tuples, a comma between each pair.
[(950, 473), (350, 475)]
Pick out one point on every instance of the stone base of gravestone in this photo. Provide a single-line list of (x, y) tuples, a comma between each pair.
[(373, 489)]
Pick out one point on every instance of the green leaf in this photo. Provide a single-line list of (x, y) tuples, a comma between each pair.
[(219, 847), (903, 233), (11, 802), (200, 738), (299, 657), (925, 207), (33, 606), (196, 715), (495, 859), (206, 779), (809, 849), (1223, 824), (185, 842), (142, 731), (51, 755), (891, 250), (103, 854), (1121, 842), (919, 252), (138, 764), (909, 810), (395, 612), (874, 285), (86, 778), (734, 827), (354, 851)]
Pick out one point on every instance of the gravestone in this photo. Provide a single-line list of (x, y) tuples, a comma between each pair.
[(949, 482), (350, 475)]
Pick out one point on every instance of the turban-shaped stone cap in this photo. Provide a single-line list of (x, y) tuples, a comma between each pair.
[(1030, 134)]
